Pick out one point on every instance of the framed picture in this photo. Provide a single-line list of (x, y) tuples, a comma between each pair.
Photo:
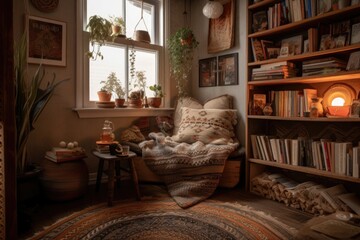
[(207, 72), (291, 46), (46, 41), (228, 69)]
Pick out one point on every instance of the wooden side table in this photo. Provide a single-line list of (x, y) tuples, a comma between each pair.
[(112, 161)]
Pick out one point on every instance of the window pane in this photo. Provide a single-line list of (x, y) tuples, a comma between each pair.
[(133, 15), (146, 61), (104, 8), (114, 61)]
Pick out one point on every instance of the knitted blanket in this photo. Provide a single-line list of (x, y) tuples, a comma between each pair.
[(191, 172)]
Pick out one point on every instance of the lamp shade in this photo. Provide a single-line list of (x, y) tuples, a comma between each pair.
[(213, 9)]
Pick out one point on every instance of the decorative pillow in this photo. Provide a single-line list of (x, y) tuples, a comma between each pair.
[(132, 134), (206, 125), (183, 102), (221, 102)]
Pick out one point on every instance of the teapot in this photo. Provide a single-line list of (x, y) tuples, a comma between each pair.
[(107, 134)]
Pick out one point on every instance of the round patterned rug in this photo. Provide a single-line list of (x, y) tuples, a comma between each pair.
[(164, 219)]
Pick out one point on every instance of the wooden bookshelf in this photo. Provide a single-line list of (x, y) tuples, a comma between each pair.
[(314, 127)]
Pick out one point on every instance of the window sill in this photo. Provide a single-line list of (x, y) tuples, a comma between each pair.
[(122, 112)]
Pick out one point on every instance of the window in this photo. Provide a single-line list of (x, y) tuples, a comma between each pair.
[(149, 57)]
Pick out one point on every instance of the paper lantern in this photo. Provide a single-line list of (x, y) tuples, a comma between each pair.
[(213, 9)]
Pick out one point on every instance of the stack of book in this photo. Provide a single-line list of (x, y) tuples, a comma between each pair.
[(323, 66), (58, 154), (277, 70)]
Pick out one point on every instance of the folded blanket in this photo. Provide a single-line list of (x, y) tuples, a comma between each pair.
[(191, 172)]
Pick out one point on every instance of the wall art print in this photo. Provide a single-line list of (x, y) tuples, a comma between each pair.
[(46, 41)]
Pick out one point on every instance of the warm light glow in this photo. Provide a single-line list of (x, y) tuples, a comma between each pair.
[(338, 101)]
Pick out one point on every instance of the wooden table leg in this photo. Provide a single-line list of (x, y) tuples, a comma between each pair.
[(135, 178), (111, 182), (99, 174), (118, 173)]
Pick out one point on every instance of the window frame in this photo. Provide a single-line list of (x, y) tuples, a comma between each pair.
[(83, 104)]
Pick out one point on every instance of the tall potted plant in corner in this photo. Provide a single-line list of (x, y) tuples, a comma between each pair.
[(100, 30), (30, 101), (181, 47)]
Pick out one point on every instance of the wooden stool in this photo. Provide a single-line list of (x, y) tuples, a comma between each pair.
[(114, 165)]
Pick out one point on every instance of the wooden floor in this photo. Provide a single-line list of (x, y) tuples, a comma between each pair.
[(47, 212)]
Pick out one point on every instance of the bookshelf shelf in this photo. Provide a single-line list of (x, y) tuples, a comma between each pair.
[(336, 129), (305, 119), (342, 76), (307, 170), (308, 22), (301, 57)]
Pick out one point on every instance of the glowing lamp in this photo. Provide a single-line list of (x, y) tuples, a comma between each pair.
[(213, 9), (338, 109), (337, 100)]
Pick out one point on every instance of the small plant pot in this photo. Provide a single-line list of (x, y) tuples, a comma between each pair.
[(119, 102), (154, 102), (104, 96), (142, 36), (135, 103)]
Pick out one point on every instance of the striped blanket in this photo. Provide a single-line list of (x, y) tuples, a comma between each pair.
[(191, 172)]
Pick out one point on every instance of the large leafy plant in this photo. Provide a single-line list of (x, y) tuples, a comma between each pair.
[(31, 100), (181, 47)]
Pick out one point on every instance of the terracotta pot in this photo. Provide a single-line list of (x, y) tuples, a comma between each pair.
[(119, 102), (104, 96), (154, 102), (135, 103)]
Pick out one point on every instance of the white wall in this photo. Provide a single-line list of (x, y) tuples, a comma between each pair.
[(200, 25)]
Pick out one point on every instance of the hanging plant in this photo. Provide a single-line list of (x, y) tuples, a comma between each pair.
[(181, 47), (100, 30)]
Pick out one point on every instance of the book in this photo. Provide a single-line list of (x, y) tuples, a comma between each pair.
[(257, 50), (265, 45), (354, 61), (260, 21), (331, 196), (355, 33), (77, 151), (52, 156), (356, 162), (259, 100), (352, 201)]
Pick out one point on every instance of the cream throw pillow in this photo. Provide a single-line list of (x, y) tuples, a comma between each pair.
[(214, 126), (221, 102)]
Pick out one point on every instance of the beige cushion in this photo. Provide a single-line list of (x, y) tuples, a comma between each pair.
[(206, 125), (184, 102), (221, 102)]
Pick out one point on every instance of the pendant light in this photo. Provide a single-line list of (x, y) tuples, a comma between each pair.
[(213, 9)]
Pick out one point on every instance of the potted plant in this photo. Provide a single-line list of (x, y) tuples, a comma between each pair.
[(155, 101), (120, 93), (108, 87), (181, 47), (31, 100), (118, 26), (100, 30), (136, 96)]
